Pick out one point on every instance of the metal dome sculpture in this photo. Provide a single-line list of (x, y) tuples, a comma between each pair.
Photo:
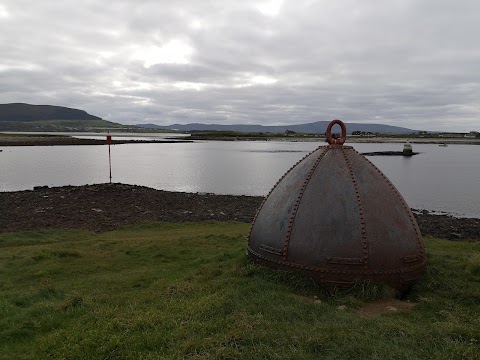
[(336, 217)]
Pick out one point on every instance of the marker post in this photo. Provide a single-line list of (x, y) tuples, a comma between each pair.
[(109, 141)]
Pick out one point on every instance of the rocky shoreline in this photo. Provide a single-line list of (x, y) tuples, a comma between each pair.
[(68, 140), (104, 207), (389, 153)]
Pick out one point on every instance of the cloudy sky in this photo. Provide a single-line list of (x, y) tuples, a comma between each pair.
[(411, 63)]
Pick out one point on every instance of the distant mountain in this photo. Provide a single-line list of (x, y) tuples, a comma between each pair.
[(27, 112), (26, 117), (318, 127)]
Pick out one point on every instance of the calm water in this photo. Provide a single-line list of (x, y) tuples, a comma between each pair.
[(440, 178)]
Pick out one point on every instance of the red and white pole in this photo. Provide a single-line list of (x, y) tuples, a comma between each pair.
[(109, 141)]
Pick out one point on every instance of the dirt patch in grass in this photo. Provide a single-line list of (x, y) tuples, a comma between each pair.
[(385, 306)]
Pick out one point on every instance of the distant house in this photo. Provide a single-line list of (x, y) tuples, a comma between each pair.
[(290, 133), (363, 133), (472, 134), (452, 135)]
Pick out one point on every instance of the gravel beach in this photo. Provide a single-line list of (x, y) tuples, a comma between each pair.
[(104, 207)]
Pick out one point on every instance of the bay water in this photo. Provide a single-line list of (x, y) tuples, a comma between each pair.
[(444, 179)]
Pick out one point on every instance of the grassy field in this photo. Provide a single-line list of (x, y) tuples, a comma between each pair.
[(187, 291), (59, 125)]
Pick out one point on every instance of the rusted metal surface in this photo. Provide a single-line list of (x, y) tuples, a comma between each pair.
[(337, 218)]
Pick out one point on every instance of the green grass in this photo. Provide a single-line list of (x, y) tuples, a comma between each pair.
[(188, 291), (59, 125)]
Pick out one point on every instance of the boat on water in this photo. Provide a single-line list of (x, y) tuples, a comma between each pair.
[(444, 145)]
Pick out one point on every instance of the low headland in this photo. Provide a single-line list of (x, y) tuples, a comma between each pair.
[(381, 138), (64, 140), (7, 139)]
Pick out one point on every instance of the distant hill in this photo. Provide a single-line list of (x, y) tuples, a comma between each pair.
[(27, 112), (26, 117), (318, 127)]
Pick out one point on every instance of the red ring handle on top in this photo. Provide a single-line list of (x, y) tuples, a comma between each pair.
[(330, 139)]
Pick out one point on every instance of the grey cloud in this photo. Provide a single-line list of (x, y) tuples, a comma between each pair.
[(411, 63)]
